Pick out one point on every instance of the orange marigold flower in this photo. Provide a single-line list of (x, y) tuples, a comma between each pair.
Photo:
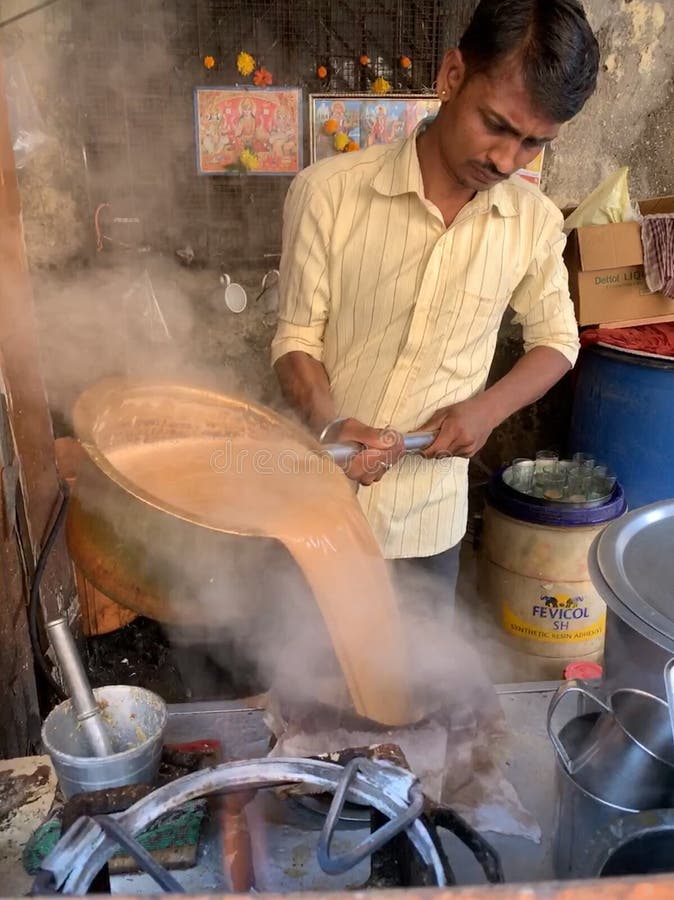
[(365, 60), (322, 72), (209, 62), (331, 126), (262, 77), (405, 62), (351, 146)]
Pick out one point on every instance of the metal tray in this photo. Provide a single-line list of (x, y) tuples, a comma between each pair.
[(541, 501), (635, 556)]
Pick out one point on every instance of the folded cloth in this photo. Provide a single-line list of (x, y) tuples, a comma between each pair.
[(655, 340), (657, 236)]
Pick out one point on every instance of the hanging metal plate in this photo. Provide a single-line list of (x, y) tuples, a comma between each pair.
[(635, 556)]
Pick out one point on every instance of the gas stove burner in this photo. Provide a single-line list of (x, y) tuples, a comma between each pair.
[(352, 813), (390, 793)]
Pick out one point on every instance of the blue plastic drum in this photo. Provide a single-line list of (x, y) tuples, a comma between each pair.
[(623, 413)]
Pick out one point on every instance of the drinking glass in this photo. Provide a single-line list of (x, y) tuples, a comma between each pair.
[(579, 484), (555, 485), (602, 485), (522, 475), (584, 460), (547, 461)]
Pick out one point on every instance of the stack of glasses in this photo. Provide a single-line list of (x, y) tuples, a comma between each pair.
[(577, 480)]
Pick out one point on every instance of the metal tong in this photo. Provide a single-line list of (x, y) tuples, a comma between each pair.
[(343, 453), (86, 709)]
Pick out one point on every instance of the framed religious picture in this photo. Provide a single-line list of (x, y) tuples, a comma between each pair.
[(364, 120), (258, 130), (340, 124)]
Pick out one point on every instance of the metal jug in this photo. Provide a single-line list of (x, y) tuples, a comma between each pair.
[(627, 758)]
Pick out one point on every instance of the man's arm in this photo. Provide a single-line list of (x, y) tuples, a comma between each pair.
[(297, 349), (465, 427), (544, 309), (305, 385)]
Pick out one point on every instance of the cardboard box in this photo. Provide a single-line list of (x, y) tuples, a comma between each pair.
[(606, 273)]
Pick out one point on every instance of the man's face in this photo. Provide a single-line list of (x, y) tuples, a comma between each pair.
[(488, 128)]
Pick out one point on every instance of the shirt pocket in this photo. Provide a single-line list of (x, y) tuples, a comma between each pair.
[(465, 335), (491, 263)]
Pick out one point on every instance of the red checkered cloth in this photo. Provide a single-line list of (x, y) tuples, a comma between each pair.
[(657, 236), (652, 340)]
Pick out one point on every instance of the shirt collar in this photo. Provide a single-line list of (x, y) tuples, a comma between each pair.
[(401, 174)]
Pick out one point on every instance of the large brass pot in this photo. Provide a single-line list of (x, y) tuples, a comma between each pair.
[(161, 561)]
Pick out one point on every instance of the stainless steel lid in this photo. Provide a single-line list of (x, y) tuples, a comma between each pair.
[(635, 557)]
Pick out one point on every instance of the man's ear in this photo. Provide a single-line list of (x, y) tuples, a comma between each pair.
[(452, 75)]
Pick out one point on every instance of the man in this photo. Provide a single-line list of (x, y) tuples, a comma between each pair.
[(399, 262)]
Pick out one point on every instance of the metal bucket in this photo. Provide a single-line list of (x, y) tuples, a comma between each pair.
[(579, 815), (632, 568), (638, 844), (136, 719), (628, 758)]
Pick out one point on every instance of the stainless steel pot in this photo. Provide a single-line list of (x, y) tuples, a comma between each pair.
[(135, 721), (631, 565), (636, 844), (579, 815), (628, 757)]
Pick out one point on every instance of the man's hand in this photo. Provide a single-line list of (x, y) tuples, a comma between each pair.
[(383, 449), (463, 429), (466, 426)]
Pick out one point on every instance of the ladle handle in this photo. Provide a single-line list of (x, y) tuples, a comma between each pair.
[(342, 454), (84, 703)]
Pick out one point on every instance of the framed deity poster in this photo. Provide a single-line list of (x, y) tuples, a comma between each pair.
[(367, 120), (258, 130)]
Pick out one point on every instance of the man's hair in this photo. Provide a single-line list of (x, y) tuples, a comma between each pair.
[(552, 38)]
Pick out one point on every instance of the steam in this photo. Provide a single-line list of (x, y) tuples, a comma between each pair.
[(143, 315), (147, 318)]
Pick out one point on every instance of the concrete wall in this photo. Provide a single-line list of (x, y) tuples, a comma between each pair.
[(630, 120)]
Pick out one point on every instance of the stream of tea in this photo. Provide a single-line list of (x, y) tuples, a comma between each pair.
[(285, 492)]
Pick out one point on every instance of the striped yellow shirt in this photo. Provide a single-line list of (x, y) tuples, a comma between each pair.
[(404, 313)]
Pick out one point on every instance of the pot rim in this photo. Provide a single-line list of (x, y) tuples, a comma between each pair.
[(626, 731), (81, 761), (109, 393)]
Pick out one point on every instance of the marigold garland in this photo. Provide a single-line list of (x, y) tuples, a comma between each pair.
[(209, 62), (322, 72), (331, 126)]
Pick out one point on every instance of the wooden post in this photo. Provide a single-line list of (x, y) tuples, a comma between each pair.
[(29, 487)]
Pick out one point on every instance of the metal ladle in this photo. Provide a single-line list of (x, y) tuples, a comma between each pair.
[(343, 453), (86, 709)]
